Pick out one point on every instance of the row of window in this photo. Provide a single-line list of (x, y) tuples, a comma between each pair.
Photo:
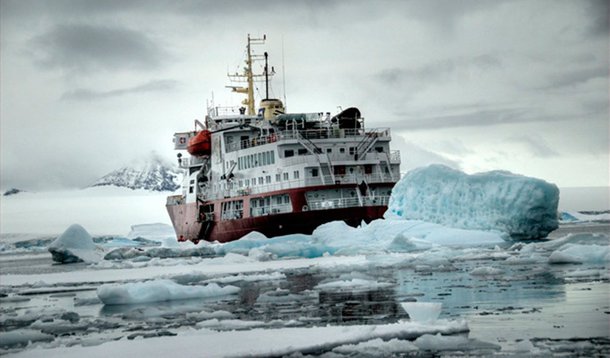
[(352, 150), (274, 204), (267, 179), (268, 158), (256, 160)]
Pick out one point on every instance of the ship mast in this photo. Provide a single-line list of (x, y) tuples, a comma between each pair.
[(248, 76)]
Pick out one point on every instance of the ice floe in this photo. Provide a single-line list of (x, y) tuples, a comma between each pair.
[(425, 312), (264, 342), (158, 290)]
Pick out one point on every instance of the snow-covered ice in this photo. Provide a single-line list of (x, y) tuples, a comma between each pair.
[(521, 206), (158, 290), (425, 312)]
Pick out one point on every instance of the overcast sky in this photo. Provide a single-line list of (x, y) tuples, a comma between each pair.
[(87, 86)]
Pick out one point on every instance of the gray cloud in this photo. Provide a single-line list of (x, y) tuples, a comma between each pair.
[(444, 15), (414, 156), (488, 117), (535, 145), (577, 76), (438, 70), (599, 13), (83, 48), (83, 94)]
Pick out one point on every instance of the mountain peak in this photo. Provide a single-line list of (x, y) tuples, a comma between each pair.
[(151, 172)]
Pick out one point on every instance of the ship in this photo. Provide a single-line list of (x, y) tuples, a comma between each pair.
[(263, 169)]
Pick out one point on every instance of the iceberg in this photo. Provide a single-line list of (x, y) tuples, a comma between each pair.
[(75, 245), (522, 207), (426, 312)]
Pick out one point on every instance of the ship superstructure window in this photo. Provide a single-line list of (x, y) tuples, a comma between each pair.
[(268, 179), (232, 210), (314, 172), (260, 180), (302, 151), (278, 177), (342, 150), (379, 149), (286, 176), (295, 174), (332, 198), (288, 153), (256, 160), (329, 150), (274, 204)]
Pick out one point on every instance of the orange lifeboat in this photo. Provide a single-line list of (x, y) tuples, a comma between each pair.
[(200, 144)]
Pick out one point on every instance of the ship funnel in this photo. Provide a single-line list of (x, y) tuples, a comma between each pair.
[(270, 108)]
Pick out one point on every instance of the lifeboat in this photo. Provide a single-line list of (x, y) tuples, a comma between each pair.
[(200, 144)]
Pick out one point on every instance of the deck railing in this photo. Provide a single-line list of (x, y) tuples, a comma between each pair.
[(311, 134)]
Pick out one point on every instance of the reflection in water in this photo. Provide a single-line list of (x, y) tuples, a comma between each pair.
[(359, 306)]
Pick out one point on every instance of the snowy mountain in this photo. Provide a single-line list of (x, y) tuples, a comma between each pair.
[(150, 173), (12, 191)]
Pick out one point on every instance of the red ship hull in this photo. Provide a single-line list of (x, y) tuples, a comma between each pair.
[(304, 222), (190, 226)]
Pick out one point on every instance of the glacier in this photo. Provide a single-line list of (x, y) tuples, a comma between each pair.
[(523, 207)]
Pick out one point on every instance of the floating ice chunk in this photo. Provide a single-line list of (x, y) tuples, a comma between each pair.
[(526, 346), (578, 253), (438, 342), (521, 206), (425, 312), (338, 238), (158, 290), (355, 283), (486, 271), (22, 337), (229, 324), (575, 216), (162, 233), (75, 245), (377, 348)]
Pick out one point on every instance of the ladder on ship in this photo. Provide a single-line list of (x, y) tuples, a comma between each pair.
[(369, 140), (324, 162)]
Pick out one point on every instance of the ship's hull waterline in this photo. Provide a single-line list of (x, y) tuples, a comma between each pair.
[(304, 222)]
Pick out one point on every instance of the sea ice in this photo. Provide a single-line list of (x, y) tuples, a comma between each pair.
[(578, 253), (158, 290), (256, 342), (439, 342), (352, 285), (523, 207), (338, 238), (159, 232), (75, 245), (23, 337)]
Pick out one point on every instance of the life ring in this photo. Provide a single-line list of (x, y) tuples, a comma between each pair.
[(305, 208)]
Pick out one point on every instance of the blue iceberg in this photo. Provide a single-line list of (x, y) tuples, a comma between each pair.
[(522, 207)]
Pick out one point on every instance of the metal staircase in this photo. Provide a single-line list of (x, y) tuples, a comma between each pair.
[(366, 143), (326, 168)]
